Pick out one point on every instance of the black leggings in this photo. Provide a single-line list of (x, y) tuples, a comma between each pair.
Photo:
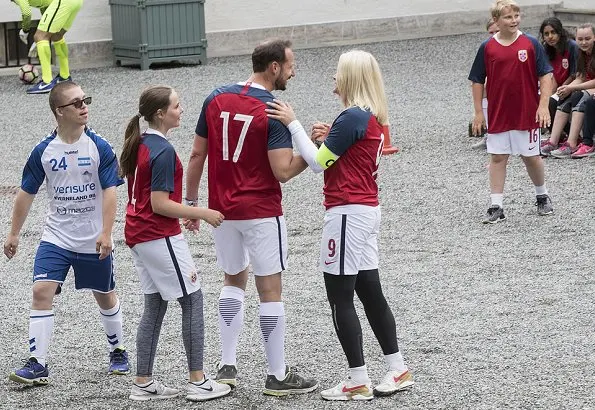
[(340, 292), (589, 122)]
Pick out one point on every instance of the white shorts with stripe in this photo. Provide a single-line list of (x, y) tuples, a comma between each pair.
[(259, 242), (515, 142), (165, 266), (350, 239)]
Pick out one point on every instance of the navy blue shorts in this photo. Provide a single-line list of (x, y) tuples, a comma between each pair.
[(52, 264)]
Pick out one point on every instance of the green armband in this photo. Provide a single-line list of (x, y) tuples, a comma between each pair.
[(325, 157)]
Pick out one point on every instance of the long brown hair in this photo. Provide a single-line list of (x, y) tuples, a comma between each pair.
[(586, 62), (152, 99)]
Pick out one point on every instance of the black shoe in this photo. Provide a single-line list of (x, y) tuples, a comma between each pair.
[(544, 205), (291, 384), (494, 215), (226, 374)]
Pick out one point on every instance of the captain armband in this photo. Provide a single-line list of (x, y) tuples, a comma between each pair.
[(325, 157)]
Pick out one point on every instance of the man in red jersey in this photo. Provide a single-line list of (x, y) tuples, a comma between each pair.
[(249, 154), (513, 62)]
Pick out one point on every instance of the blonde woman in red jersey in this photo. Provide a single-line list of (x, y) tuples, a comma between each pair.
[(349, 157)]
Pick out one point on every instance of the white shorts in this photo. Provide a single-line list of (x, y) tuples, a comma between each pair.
[(259, 242), (165, 266), (524, 143), (350, 239)]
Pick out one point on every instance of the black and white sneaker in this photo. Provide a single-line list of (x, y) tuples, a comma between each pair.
[(494, 215), (227, 373), (206, 390), (293, 383), (544, 205)]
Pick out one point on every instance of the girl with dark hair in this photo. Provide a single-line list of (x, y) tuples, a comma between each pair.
[(161, 255), (562, 51), (572, 100)]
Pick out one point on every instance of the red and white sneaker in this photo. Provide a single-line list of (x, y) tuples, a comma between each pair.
[(393, 382), (583, 151), (348, 390)]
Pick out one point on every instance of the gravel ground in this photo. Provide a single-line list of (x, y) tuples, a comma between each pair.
[(488, 316)]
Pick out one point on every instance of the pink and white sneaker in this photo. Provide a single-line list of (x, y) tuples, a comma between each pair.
[(583, 151)]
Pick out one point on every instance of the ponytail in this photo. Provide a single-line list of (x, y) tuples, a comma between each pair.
[(130, 148)]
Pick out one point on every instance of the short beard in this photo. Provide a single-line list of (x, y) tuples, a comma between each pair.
[(279, 85)]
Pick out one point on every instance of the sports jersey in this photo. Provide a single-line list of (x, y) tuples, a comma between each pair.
[(75, 176), (590, 75), (564, 65), (356, 137), (158, 168), (241, 182), (512, 75), (25, 6)]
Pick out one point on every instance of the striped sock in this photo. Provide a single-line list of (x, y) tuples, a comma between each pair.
[(231, 319), (272, 326), (112, 324), (41, 326)]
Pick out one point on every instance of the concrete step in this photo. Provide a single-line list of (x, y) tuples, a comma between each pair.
[(575, 17)]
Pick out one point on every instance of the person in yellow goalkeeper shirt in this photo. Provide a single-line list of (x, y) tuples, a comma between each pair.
[(57, 17)]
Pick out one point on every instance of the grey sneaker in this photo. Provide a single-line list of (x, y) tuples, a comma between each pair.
[(155, 390), (206, 390), (291, 384), (226, 374), (494, 215), (563, 152), (544, 205), (547, 147), (482, 144)]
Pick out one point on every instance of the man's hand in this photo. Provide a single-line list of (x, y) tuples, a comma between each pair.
[(104, 245), (11, 245), (319, 131), (24, 36), (193, 225)]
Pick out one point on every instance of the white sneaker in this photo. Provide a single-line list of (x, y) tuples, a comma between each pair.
[(206, 390), (155, 390), (393, 382), (348, 390)]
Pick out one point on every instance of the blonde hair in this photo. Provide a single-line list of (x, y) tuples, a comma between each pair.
[(359, 83), (498, 7)]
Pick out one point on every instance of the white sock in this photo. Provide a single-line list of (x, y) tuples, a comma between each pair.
[(395, 362), (540, 190), (359, 375), (497, 199), (112, 324), (272, 327), (41, 326), (231, 319)]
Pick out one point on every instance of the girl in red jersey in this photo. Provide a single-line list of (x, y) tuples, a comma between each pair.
[(562, 51), (573, 97), (349, 157), (160, 252)]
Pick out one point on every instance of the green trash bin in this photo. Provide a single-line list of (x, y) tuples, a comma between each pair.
[(149, 31)]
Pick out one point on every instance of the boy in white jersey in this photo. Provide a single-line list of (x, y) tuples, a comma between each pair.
[(81, 171)]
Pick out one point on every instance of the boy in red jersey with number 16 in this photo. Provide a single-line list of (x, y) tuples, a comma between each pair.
[(513, 63)]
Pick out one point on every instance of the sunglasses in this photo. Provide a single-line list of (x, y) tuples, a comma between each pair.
[(78, 103)]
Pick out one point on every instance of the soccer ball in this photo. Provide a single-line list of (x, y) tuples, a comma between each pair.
[(28, 73)]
